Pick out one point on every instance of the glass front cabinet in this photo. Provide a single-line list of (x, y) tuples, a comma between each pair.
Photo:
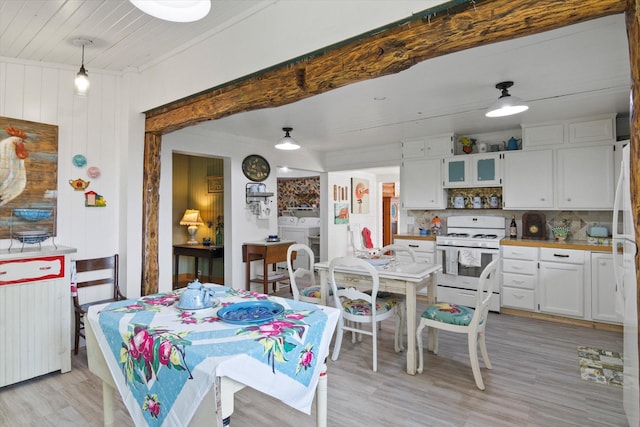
[(474, 170)]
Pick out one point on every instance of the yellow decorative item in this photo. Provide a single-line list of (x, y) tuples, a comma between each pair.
[(467, 143), (79, 184)]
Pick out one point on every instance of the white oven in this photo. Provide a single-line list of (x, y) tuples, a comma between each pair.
[(470, 244)]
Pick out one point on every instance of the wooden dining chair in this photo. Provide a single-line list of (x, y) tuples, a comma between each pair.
[(360, 308), (465, 320), (94, 272)]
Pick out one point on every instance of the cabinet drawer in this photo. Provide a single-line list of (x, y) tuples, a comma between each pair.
[(31, 270), (518, 298), (520, 252), (518, 266), (518, 281), (417, 245), (568, 256)]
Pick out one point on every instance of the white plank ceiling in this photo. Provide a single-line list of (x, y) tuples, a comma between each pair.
[(571, 72)]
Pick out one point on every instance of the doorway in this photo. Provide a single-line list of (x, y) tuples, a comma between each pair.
[(198, 184)]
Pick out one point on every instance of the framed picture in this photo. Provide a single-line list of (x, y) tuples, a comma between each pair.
[(359, 196), (28, 173), (215, 184), (341, 213)]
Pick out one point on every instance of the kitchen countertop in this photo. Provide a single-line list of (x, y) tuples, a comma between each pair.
[(414, 237), (582, 245)]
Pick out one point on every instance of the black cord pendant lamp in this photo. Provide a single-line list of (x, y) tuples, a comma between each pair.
[(81, 82)]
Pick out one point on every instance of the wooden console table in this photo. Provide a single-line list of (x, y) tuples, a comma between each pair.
[(196, 251), (271, 253)]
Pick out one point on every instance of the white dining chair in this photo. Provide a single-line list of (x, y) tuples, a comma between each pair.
[(465, 320), (360, 308), (303, 280)]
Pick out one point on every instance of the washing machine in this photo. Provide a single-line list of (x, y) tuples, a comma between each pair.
[(300, 230)]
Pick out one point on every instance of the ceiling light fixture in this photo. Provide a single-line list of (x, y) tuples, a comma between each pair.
[(81, 82), (506, 105), (287, 143), (174, 10)]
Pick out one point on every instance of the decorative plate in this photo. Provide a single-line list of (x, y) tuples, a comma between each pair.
[(256, 167), (31, 237), (79, 160), (250, 312), (93, 172), (214, 303), (379, 260)]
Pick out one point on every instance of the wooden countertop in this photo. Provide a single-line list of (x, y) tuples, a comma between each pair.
[(582, 245), (414, 237)]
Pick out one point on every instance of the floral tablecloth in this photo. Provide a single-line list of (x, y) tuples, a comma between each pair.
[(164, 360)]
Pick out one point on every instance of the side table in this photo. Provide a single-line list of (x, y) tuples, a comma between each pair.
[(270, 253), (196, 251)]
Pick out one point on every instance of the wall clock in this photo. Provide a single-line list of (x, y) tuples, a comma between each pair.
[(256, 168)]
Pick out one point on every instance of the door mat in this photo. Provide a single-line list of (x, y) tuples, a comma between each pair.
[(601, 366)]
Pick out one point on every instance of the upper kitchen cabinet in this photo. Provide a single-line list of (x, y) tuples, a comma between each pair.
[(432, 146), (585, 177), (420, 180), (528, 180), (473, 170), (599, 129)]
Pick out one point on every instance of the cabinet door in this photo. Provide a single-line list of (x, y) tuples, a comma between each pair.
[(420, 181), (528, 180), (586, 177), (537, 136), (439, 146), (487, 169), (603, 288), (561, 289), (456, 172), (413, 149)]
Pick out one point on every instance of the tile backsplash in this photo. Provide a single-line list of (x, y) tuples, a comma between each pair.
[(580, 220)]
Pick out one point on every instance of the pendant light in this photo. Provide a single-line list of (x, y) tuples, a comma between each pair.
[(81, 82), (174, 10), (506, 105), (287, 143)]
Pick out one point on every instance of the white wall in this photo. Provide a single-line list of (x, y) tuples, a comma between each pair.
[(88, 126)]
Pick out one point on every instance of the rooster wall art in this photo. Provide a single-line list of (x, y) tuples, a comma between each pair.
[(13, 174)]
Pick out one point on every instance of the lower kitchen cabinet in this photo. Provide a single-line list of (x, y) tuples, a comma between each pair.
[(603, 287), (562, 282), (424, 250), (519, 277)]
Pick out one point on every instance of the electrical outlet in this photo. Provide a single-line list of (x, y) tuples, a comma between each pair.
[(199, 273)]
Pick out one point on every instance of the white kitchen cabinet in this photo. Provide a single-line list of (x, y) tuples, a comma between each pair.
[(585, 177), (35, 314), (542, 135), (583, 131), (424, 249), (603, 287), (473, 170), (561, 282), (519, 277), (421, 183), (528, 180), (432, 146)]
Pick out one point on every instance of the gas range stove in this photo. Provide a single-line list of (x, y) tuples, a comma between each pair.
[(473, 232)]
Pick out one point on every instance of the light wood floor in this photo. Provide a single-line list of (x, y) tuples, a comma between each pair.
[(535, 381)]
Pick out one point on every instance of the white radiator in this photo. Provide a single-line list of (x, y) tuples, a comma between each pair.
[(35, 327)]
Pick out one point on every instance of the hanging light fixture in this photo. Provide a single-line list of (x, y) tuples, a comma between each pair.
[(287, 143), (81, 82), (174, 10), (506, 105)]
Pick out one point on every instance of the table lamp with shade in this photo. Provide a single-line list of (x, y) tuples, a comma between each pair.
[(193, 219)]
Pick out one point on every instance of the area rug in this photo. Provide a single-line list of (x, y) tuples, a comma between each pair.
[(600, 366)]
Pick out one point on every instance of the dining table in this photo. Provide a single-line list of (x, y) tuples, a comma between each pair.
[(397, 277), (181, 367)]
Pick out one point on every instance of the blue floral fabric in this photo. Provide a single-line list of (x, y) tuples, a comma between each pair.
[(363, 308), (452, 314)]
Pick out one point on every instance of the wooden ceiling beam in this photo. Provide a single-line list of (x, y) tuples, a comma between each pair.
[(384, 52)]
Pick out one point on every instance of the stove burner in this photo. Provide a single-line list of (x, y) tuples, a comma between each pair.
[(457, 235), (485, 236)]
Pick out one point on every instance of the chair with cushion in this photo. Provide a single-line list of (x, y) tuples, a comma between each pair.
[(360, 308), (94, 272), (465, 320), (303, 280), (361, 242)]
